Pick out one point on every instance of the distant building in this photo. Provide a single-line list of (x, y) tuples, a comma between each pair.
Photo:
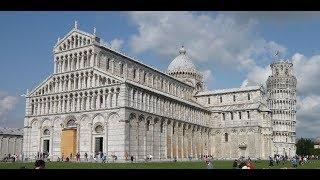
[(317, 143), (10, 141)]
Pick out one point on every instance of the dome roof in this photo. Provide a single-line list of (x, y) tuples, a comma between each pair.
[(182, 63)]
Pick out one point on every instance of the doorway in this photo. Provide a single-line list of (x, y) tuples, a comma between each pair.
[(98, 145), (68, 142), (46, 144)]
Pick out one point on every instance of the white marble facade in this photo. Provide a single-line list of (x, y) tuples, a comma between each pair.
[(139, 110)]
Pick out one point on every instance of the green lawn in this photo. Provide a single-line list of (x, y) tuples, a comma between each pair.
[(151, 165)]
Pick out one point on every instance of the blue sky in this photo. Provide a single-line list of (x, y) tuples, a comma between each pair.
[(230, 47)]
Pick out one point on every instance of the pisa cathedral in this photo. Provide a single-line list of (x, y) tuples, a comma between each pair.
[(101, 100)]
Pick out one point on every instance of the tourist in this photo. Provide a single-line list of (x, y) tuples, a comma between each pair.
[(40, 164), (86, 156), (209, 165), (132, 158), (78, 156), (270, 161), (250, 165), (294, 162), (235, 164), (104, 157), (58, 160), (67, 159)]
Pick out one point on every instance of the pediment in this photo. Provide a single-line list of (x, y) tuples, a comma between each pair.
[(74, 39)]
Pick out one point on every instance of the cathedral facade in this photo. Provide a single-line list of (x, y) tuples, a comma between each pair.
[(101, 100)]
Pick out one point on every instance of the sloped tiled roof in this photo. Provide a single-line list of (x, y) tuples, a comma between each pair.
[(239, 107), (222, 91), (11, 131)]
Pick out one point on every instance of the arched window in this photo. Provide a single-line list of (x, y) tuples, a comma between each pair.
[(108, 64), (226, 138), (134, 73), (99, 129), (46, 132), (234, 98), (161, 127), (144, 77), (147, 125), (208, 100), (239, 115), (248, 96), (71, 123), (121, 69), (231, 115), (223, 116), (248, 113), (220, 99)]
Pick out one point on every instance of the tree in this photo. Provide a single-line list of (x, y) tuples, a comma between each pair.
[(304, 146)]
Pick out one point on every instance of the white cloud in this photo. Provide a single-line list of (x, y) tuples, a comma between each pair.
[(116, 44), (220, 39), (308, 116), (7, 103), (257, 75), (308, 73)]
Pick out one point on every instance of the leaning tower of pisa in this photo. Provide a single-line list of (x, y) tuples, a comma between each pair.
[(281, 91)]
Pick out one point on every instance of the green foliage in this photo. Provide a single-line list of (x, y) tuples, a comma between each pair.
[(304, 146), (315, 151)]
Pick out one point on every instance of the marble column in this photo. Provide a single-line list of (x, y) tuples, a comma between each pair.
[(142, 138), (156, 139), (169, 139)]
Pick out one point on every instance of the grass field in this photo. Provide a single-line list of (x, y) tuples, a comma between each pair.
[(152, 165)]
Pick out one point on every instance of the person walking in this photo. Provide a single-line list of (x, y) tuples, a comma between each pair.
[(78, 157), (132, 158), (86, 156)]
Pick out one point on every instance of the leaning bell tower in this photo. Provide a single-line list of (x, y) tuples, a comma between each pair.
[(281, 93)]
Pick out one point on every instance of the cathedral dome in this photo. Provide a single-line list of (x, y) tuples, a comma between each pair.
[(182, 63)]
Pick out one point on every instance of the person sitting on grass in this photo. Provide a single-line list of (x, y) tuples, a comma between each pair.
[(235, 164), (250, 165), (39, 164)]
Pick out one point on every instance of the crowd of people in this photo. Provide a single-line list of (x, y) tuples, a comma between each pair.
[(12, 158), (243, 163)]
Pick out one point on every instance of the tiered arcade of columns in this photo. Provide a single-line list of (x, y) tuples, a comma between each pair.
[(166, 139), (281, 89)]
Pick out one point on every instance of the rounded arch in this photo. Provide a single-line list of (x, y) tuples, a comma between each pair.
[(34, 122), (98, 114), (45, 122), (132, 116), (113, 116), (70, 117)]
